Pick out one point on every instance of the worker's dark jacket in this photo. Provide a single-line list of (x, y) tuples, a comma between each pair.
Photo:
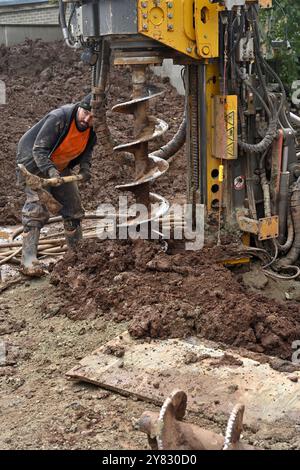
[(37, 145)]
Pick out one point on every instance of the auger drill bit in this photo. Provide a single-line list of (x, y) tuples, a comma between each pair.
[(166, 431), (146, 128)]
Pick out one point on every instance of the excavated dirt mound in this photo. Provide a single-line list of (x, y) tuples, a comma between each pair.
[(173, 296), (40, 77)]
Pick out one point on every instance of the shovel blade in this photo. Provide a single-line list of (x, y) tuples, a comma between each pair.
[(48, 200)]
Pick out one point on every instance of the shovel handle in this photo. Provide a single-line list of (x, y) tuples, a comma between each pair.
[(37, 182), (59, 181)]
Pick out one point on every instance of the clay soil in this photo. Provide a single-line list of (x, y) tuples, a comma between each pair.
[(41, 409), (107, 287), (173, 295)]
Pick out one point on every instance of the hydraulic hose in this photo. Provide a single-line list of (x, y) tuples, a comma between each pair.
[(63, 23), (265, 186), (266, 192), (295, 119), (294, 252), (290, 236), (264, 62), (265, 143), (175, 144), (268, 139), (273, 117), (99, 83), (283, 205)]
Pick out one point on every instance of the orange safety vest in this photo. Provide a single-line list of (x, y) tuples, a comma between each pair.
[(71, 147)]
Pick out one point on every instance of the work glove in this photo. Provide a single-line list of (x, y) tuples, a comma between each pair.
[(86, 175), (53, 173)]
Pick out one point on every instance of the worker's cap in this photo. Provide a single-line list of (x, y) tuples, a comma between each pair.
[(85, 103)]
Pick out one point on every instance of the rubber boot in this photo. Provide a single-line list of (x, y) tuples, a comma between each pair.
[(30, 265), (73, 233)]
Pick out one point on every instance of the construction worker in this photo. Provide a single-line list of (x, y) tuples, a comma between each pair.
[(63, 139)]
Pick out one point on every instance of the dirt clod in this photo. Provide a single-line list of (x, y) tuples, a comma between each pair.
[(115, 350), (293, 378)]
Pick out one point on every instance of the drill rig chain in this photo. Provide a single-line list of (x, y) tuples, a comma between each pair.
[(101, 104)]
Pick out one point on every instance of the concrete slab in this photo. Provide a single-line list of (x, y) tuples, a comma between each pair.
[(214, 383)]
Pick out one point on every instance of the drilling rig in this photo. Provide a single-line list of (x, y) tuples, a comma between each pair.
[(241, 147)]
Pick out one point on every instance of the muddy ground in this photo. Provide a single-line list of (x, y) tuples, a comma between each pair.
[(91, 296), (174, 295), (41, 409)]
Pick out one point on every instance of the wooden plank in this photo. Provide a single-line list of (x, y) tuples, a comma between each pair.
[(214, 383)]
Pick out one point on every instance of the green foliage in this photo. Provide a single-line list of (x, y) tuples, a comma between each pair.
[(282, 23)]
